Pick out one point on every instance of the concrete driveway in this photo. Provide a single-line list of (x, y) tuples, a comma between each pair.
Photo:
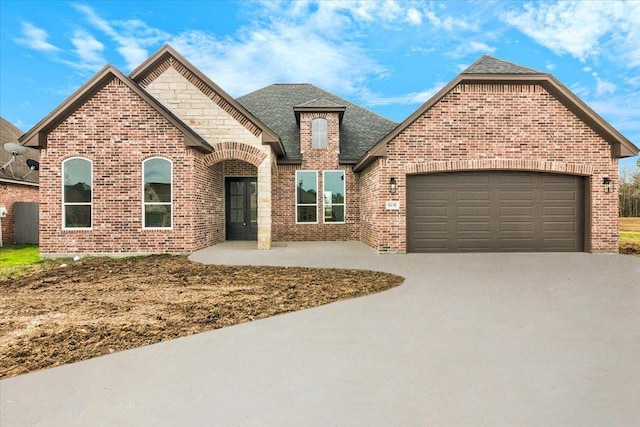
[(472, 339)]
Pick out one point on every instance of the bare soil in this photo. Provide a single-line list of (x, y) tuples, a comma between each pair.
[(98, 306), (630, 249)]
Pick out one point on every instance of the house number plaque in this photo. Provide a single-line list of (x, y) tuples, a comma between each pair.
[(392, 205)]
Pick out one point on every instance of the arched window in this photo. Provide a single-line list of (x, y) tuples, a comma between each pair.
[(319, 133), (76, 193), (157, 192)]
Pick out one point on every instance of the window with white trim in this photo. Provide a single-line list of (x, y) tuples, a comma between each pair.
[(306, 197), (334, 196), (77, 177), (157, 192), (319, 133)]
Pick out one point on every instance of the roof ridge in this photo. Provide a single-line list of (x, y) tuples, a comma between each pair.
[(487, 64)]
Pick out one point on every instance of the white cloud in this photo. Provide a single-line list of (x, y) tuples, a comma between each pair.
[(469, 48), (604, 87), (550, 66), (35, 38), (414, 16), (374, 99), (89, 51), (583, 29), (281, 53), (132, 36), (586, 69)]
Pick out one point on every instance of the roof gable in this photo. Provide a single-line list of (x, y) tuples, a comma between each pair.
[(167, 57), (488, 69), (37, 136), (277, 106)]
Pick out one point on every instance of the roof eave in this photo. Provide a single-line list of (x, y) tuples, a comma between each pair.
[(301, 109), (19, 182), (37, 136)]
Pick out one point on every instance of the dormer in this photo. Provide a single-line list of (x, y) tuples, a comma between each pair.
[(319, 123)]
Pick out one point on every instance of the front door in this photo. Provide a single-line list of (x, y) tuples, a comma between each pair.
[(242, 208)]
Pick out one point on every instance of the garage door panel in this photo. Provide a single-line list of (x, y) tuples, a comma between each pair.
[(520, 226), (507, 196), (559, 211), (472, 195), (517, 211), (476, 179), (560, 226), (474, 226), (495, 211), (559, 196)]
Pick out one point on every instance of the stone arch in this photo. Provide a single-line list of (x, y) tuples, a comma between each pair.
[(499, 164), (235, 151)]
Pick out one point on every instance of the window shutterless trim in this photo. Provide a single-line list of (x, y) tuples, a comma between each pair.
[(65, 204), (322, 137), (145, 204), (306, 204), (343, 204)]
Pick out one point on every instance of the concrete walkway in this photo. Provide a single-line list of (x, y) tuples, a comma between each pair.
[(473, 339)]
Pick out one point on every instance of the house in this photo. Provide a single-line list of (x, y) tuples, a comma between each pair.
[(503, 158), (18, 183)]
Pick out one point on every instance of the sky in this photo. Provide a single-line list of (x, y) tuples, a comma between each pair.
[(387, 56)]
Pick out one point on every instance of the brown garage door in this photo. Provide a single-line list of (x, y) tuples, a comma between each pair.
[(495, 211)]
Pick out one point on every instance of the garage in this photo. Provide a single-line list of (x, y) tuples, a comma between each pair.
[(495, 211)]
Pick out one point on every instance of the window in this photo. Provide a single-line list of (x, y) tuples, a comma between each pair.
[(333, 183), (157, 192), (319, 133), (306, 196), (76, 195)]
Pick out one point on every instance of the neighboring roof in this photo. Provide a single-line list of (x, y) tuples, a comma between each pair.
[(489, 65), (166, 51), (37, 136), (489, 69), (10, 133), (276, 106)]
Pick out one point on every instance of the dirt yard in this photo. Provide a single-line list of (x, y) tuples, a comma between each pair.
[(98, 306)]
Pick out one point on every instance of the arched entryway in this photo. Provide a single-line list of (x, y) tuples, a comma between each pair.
[(241, 176)]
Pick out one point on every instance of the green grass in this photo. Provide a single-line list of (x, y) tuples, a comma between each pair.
[(631, 238), (630, 231), (16, 260)]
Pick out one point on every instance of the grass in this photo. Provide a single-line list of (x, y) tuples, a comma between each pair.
[(16, 260), (630, 231)]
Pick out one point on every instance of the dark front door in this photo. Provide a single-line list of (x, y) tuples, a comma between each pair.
[(242, 208)]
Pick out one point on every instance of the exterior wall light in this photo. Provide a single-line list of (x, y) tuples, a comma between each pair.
[(393, 186), (608, 184)]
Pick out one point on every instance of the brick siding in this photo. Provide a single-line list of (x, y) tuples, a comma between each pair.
[(9, 194), (117, 131), (318, 159), (492, 126)]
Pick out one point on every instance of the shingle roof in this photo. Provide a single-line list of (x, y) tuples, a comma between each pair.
[(274, 105), (10, 133), (489, 65)]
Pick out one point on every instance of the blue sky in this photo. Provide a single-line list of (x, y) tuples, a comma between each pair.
[(389, 56)]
